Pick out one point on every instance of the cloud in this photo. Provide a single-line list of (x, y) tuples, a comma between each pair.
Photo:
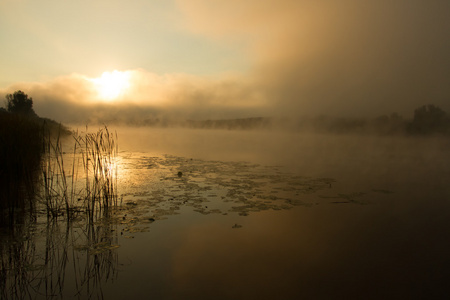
[(76, 98), (348, 58), (337, 57)]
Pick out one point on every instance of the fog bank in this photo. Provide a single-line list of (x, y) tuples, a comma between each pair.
[(350, 59)]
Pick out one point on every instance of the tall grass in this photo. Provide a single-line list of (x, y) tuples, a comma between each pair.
[(92, 161), (34, 171), (99, 151), (84, 180), (54, 177)]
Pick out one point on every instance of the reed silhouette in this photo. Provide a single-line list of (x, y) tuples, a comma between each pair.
[(89, 184), (71, 192), (40, 265)]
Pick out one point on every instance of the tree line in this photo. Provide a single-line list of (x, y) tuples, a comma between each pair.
[(427, 120)]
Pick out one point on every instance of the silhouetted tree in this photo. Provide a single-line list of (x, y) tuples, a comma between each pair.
[(20, 103), (429, 119)]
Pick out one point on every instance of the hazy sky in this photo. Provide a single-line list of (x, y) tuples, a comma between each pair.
[(215, 58)]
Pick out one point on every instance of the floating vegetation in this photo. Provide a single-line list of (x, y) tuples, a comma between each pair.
[(218, 187)]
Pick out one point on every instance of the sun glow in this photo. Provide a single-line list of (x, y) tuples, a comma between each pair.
[(112, 85)]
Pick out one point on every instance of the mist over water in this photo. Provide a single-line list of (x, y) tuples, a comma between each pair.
[(415, 169), (271, 214), (357, 157), (378, 231)]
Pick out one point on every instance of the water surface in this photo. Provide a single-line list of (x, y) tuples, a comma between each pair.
[(256, 215)]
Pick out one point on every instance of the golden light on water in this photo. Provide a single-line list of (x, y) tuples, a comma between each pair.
[(111, 85)]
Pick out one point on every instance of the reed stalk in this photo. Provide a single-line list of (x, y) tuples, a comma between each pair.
[(95, 154)]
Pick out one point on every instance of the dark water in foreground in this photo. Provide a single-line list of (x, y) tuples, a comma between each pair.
[(254, 215)]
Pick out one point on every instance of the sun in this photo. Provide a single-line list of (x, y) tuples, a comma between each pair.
[(111, 85)]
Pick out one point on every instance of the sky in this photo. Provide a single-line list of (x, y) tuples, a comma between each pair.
[(212, 59)]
